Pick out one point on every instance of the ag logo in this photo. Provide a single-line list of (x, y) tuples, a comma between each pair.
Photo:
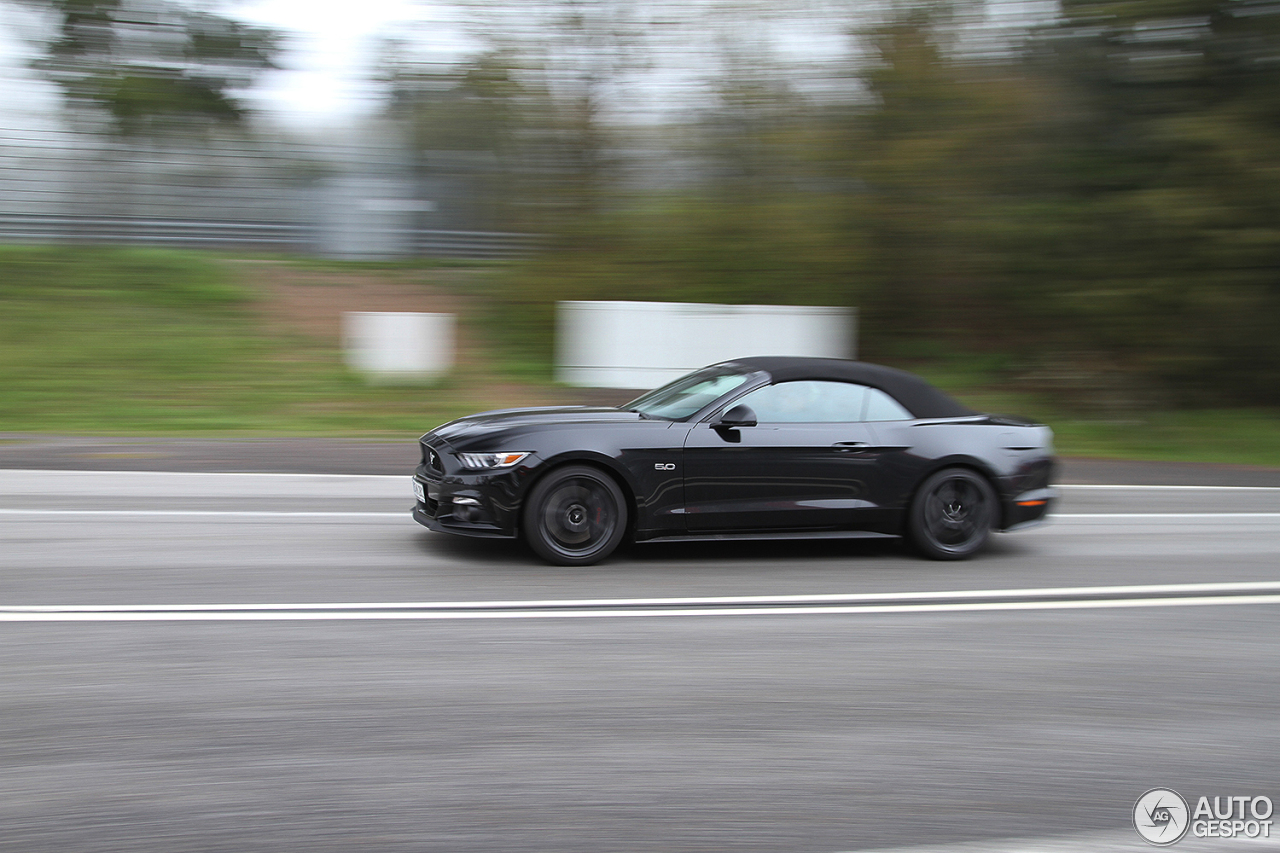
[(1161, 817)]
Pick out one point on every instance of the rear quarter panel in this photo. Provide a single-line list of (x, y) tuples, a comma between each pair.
[(1015, 458)]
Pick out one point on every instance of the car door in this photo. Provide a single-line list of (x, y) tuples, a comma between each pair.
[(809, 462)]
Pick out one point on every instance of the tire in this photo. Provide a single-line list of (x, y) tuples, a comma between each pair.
[(952, 514), (575, 516)]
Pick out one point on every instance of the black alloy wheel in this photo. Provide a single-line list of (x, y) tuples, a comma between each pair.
[(952, 514), (575, 516)]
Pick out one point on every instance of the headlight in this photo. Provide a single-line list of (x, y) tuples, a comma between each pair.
[(490, 460)]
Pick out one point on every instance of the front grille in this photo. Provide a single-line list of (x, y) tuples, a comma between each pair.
[(433, 507), (432, 460)]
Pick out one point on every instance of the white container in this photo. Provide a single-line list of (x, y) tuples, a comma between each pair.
[(394, 346), (642, 345)]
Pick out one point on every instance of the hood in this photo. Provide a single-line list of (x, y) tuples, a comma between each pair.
[(502, 420)]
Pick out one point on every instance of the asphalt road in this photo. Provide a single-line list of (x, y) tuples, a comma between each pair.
[(224, 662)]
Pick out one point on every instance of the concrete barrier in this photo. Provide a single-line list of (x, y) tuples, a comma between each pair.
[(646, 344), (398, 346)]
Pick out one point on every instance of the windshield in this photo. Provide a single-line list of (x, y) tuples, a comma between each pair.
[(680, 399)]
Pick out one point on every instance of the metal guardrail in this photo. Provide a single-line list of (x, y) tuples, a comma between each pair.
[(356, 200), (52, 228), (477, 245), (271, 236)]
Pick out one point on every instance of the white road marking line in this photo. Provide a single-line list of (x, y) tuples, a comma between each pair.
[(58, 472), (1061, 598), (1123, 841), (1073, 515), (6, 615), (1175, 488), (228, 513), (823, 598), (196, 513)]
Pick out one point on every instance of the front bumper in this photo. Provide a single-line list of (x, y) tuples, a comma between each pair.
[(444, 526), (483, 504)]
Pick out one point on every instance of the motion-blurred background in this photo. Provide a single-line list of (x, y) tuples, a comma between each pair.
[(1069, 210)]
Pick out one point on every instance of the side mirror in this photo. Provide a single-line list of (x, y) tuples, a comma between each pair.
[(738, 416)]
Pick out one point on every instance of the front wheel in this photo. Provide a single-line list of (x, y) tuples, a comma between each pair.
[(575, 516), (952, 514)]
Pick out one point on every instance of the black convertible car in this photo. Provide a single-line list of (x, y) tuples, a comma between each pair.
[(770, 447)]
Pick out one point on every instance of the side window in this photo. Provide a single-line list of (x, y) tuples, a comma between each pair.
[(882, 407), (807, 401)]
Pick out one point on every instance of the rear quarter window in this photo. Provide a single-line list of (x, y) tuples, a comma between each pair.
[(881, 407)]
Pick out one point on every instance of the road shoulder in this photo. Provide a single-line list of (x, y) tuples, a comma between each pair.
[(393, 456)]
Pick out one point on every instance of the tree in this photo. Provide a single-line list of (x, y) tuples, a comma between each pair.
[(1169, 181), (152, 65), (459, 122), (940, 161)]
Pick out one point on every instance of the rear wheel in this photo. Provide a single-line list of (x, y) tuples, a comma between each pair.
[(952, 514), (575, 516)]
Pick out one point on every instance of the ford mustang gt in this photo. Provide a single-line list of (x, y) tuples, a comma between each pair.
[(769, 447)]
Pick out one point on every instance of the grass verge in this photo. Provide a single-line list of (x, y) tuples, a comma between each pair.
[(152, 342)]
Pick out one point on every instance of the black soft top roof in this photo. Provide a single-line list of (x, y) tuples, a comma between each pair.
[(916, 395)]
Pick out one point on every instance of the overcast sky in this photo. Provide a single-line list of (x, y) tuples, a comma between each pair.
[(326, 76), (326, 80), (331, 52)]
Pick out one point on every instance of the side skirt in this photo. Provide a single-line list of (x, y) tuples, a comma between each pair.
[(779, 534)]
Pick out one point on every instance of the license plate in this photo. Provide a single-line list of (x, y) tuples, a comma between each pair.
[(418, 492)]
